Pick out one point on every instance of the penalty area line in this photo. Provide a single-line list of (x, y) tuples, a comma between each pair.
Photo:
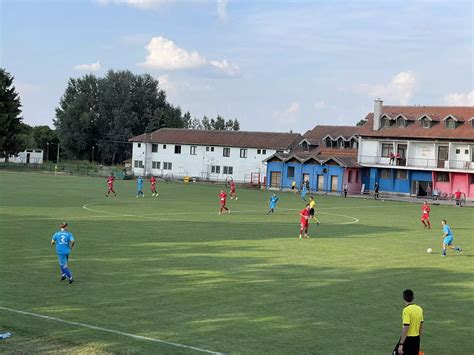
[(134, 336)]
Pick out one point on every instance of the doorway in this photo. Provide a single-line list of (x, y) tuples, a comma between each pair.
[(320, 182), (334, 183), (443, 153), (275, 179)]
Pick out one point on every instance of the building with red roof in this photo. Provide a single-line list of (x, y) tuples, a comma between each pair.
[(418, 149)]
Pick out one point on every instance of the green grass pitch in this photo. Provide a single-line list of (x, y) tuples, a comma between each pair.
[(170, 268)]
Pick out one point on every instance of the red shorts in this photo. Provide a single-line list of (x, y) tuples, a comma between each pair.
[(232, 191), (222, 203), (304, 224), (425, 217)]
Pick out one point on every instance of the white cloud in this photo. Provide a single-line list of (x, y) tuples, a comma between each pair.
[(288, 116), (319, 105), (226, 67), (88, 67), (140, 4), (400, 89), (222, 9), (165, 54), (460, 99)]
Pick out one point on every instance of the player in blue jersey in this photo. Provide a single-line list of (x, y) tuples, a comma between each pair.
[(448, 238), (273, 202), (303, 192), (64, 241), (140, 187)]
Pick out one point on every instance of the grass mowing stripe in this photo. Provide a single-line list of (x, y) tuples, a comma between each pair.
[(140, 337)]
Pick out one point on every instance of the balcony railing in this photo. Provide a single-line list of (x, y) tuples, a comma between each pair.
[(418, 163)]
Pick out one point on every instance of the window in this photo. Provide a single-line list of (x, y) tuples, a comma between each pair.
[(192, 150), (139, 145), (228, 170), (243, 153), (472, 123), (290, 172), (349, 176), (156, 165), (458, 151), (264, 151), (209, 149), (442, 177), (401, 122), (167, 166), (138, 163), (328, 142), (466, 151), (154, 148), (226, 152), (450, 123), (177, 149), (357, 176), (425, 122), (279, 151), (164, 146), (305, 146), (215, 169), (385, 122), (355, 144), (401, 174), (385, 173), (259, 151), (387, 148)]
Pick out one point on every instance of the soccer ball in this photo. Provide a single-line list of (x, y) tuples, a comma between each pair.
[(429, 250)]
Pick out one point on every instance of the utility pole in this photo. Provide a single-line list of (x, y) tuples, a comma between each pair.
[(57, 156)]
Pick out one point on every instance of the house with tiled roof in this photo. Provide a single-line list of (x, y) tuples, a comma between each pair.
[(417, 149), (325, 159), (208, 154)]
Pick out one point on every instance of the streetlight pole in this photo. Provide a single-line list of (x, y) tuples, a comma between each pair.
[(93, 153), (47, 151), (57, 155)]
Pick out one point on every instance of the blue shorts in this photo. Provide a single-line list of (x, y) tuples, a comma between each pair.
[(448, 240), (63, 258), (272, 206)]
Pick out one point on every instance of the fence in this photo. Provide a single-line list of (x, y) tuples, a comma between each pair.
[(71, 168)]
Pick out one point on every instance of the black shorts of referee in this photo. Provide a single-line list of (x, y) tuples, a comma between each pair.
[(311, 212), (411, 346)]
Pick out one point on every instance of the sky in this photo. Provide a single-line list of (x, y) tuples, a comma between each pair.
[(273, 65)]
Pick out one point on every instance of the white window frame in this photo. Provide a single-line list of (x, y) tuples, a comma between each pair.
[(243, 153)]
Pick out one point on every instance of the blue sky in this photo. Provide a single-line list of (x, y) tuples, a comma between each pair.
[(274, 65)]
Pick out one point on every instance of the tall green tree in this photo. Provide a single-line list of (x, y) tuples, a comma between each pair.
[(10, 116), (103, 113)]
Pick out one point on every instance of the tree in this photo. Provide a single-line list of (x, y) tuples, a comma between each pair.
[(361, 122), (236, 125), (10, 119), (106, 112), (45, 138)]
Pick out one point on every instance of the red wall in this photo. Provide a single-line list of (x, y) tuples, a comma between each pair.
[(457, 181), (354, 186)]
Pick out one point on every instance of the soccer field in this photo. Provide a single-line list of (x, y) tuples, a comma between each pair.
[(165, 274)]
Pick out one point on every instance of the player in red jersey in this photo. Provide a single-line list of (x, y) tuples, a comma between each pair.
[(304, 220), (232, 191), (110, 185), (457, 196), (223, 200), (153, 186), (425, 217)]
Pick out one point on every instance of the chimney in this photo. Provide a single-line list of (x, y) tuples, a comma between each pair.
[(378, 104)]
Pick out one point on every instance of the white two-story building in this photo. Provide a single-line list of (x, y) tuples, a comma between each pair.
[(208, 154), (415, 149)]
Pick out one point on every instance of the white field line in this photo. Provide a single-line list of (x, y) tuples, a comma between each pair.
[(354, 220), (134, 336)]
